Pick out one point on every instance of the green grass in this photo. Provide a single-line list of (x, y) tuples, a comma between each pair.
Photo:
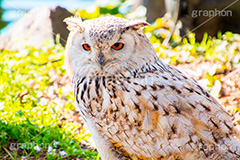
[(28, 117), (22, 139)]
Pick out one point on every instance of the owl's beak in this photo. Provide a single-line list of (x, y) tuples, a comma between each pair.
[(101, 58)]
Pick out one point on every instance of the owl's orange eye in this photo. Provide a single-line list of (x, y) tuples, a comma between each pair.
[(86, 47), (117, 46)]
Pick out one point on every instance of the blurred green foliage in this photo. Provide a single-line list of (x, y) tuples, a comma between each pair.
[(27, 115), (2, 23), (119, 8)]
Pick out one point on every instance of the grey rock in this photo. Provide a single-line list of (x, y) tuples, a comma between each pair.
[(35, 28)]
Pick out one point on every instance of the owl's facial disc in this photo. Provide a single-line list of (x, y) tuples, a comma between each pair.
[(116, 46), (105, 45), (102, 55)]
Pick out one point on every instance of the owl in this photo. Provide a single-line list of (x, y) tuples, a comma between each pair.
[(135, 105)]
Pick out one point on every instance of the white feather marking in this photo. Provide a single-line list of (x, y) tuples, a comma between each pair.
[(147, 125)]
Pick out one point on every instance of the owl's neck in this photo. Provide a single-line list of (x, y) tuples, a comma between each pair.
[(127, 71)]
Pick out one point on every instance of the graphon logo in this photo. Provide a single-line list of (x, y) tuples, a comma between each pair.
[(28, 145), (211, 13)]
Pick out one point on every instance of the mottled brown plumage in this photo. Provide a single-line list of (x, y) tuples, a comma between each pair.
[(138, 107)]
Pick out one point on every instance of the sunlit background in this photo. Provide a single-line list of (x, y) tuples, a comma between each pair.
[(15, 9)]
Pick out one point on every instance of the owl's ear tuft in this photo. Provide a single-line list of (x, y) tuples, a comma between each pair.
[(74, 23), (136, 25)]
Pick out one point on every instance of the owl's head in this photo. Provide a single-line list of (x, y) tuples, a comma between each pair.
[(105, 46)]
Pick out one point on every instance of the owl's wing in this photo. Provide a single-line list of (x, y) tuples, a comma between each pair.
[(164, 103)]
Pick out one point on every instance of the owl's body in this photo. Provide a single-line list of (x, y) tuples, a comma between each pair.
[(138, 107)]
